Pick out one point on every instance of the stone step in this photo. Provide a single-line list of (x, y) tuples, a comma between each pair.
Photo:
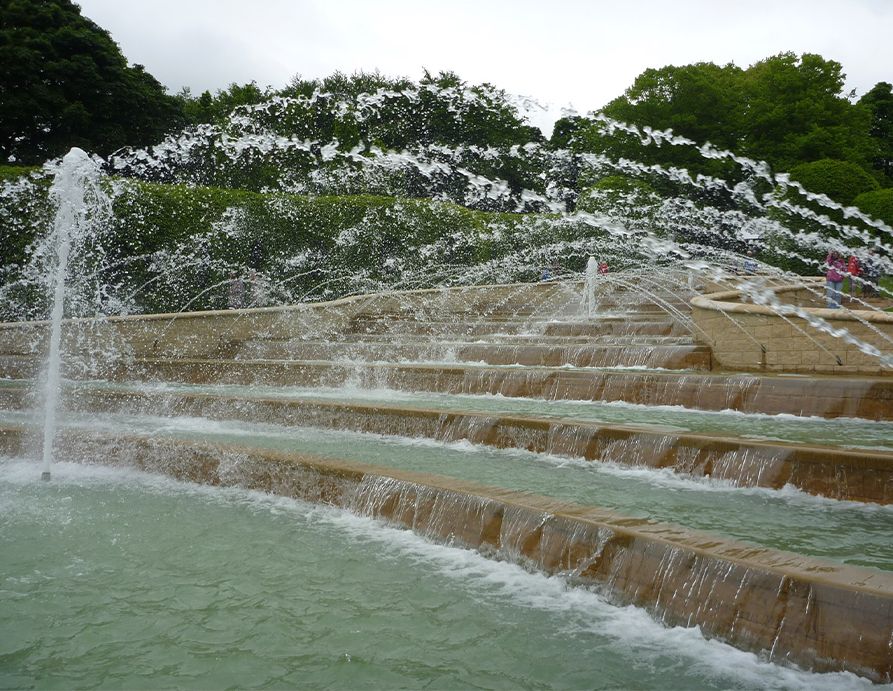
[(690, 357), (620, 325), (831, 396), (845, 474), (619, 311), (519, 300), (821, 396), (504, 312), (501, 339)]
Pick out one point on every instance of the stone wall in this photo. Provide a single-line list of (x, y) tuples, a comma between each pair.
[(219, 333), (798, 335)]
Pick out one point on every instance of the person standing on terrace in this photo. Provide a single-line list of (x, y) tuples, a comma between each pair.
[(835, 269), (854, 271)]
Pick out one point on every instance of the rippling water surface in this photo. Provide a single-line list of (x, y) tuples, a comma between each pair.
[(115, 579)]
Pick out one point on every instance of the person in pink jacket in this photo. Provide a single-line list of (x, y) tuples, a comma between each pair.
[(835, 270)]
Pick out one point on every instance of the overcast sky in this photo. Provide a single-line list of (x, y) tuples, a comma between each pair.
[(565, 53)]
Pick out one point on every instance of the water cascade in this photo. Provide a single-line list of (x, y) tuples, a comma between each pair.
[(690, 457)]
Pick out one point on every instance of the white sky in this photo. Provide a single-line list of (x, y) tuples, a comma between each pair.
[(566, 53)]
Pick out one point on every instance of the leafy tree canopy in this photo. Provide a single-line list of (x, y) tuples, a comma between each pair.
[(566, 130), (879, 101), (442, 109), (450, 129), (784, 110), (64, 83), (795, 111), (344, 86), (697, 101), (208, 108)]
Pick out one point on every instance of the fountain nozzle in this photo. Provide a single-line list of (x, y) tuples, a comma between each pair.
[(45, 476)]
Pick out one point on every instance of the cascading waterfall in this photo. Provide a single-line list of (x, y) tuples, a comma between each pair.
[(409, 399)]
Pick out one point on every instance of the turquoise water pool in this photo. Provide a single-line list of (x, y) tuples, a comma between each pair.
[(116, 579)]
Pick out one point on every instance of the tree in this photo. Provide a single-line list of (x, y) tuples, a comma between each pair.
[(444, 109), (795, 111), (700, 102), (784, 110), (345, 86), (64, 83), (215, 108), (565, 130), (879, 101)]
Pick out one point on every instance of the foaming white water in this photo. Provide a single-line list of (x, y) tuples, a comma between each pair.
[(794, 496), (665, 478), (571, 609), (581, 609), (545, 406)]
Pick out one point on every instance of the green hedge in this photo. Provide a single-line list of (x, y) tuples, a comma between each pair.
[(14, 172), (24, 212), (843, 181), (878, 204), (165, 244), (353, 237), (170, 247)]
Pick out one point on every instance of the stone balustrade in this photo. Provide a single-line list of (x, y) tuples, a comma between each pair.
[(793, 332)]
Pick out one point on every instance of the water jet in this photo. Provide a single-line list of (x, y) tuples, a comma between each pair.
[(614, 435)]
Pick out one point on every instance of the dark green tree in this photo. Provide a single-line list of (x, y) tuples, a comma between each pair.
[(785, 110), (447, 110), (344, 86), (565, 130), (64, 83), (879, 100), (216, 107), (796, 111), (701, 102)]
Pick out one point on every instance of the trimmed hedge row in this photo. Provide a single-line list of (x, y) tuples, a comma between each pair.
[(350, 243), (168, 247), (15, 172), (843, 181), (878, 203)]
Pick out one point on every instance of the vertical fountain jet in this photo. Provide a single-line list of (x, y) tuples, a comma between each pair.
[(69, 193), (589, 290)]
